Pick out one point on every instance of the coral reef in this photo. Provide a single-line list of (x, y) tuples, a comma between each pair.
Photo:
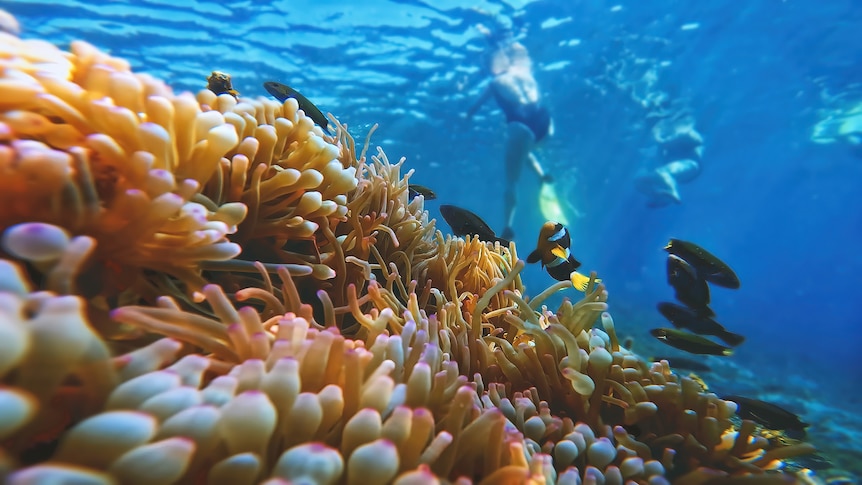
[(210, 289)]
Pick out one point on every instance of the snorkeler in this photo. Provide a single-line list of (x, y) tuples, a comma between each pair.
[(680, 148), (678, 144), (514, 88)]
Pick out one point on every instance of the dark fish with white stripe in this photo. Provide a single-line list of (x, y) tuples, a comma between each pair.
[(689, 288), (682, 317), (689, 342), (414, 190), (282, 91), (707, 265), (769, 415)]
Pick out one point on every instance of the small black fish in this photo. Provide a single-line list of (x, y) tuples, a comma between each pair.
[(689, 288), (466, 223), (553, 250), (705, 263), (769, 415), (814, 462), (414, 189), (685, 363), (682, 317), (282, 91), (689, 342), (842, 479)]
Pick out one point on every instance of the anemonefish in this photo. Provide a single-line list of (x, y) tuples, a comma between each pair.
[(553, 251)]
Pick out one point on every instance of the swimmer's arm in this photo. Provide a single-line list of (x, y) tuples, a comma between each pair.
[(486, 93)]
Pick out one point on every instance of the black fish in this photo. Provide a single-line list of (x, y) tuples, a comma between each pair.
[(414, 189), (689, 342), (689, 288), (282, 91), (682, 317), (685, 363), (466, 223), (769, 415), (705, 263), (814, 462)]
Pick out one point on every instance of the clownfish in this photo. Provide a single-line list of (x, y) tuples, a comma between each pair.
[(554, 252)]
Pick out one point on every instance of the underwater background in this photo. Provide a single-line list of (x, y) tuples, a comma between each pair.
[(777, 199)]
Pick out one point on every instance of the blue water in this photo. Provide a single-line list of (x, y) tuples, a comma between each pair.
[(783, 211)]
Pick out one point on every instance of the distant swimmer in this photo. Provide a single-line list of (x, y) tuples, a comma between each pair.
[(679, 146), (680, 150), (515, 90), (840, 119)]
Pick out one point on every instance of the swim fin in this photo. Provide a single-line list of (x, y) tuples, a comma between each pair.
[(550, 205)]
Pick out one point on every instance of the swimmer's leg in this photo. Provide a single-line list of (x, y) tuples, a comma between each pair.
[(544, 176), (660, 187), (518, 145), (683, 170)]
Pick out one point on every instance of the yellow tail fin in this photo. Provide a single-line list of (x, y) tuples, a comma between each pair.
[(580, 281)]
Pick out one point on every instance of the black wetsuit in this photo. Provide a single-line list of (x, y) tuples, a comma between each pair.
[(534, 116)]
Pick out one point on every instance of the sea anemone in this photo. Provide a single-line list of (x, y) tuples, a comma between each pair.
[(350, 342), (89, 146)]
